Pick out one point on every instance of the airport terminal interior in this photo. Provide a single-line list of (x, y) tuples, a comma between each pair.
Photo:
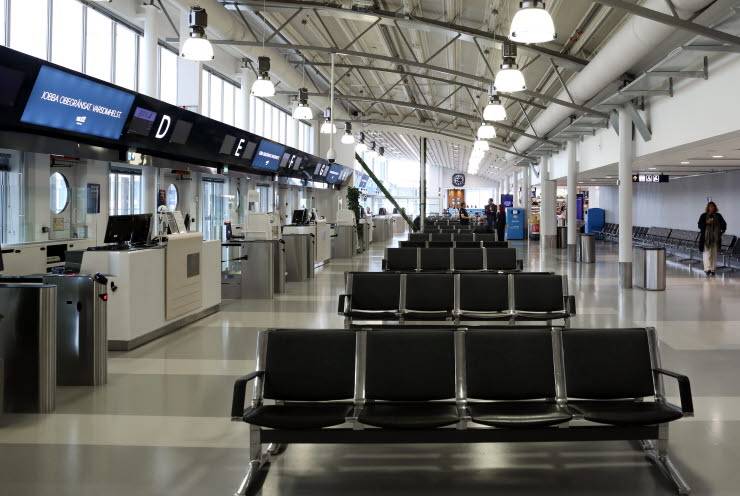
[(294, 247)]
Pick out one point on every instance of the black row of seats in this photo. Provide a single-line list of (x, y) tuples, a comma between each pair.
[(453, 244), (492, 385), (453, 237), (451, 259), (462, 297)]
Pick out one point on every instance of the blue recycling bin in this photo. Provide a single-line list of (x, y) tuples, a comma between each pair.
[(594, 220), (515, 223)]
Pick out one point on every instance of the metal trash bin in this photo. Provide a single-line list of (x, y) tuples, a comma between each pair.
[(562, 241), (28, 347), (258, 269), (648, 267), (587, 248), (296, 256)]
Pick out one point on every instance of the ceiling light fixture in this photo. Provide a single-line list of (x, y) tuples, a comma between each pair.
[(486, 131), (348, 138), (361, 146), (481, 145), (302, 111), (685, 162), (653, 168), (197, 47), (509, 79), (381, 155), (328, 126), (532, 24), (263, 87), (718, 156), (372, 152), (494, 111)]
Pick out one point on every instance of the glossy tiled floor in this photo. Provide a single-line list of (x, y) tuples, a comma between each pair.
[(161, 424)]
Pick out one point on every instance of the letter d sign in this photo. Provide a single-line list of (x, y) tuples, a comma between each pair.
[(164, 126)]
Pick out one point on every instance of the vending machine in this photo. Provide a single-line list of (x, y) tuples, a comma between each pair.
[(515, 223)]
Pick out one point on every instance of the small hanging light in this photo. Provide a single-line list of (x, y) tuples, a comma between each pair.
[(328, 127), (381, 155), (486, 131), (263, 87), (197, 47), (481, 145), (509, 79), (372, 152), (348, 138), (361, 146), (302, 111), (494, 111), (532, 24)]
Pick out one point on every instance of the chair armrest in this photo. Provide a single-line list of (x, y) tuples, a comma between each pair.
[(240, 393), (520, 264), (684, 389), (342, 303), (384, 265), (570, 304)]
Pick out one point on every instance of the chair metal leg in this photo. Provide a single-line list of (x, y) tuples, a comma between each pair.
[(275, 449), (257, 467), (661, 460)]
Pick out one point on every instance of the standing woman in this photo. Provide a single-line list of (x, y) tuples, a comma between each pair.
[(712, 226), (501, 223)]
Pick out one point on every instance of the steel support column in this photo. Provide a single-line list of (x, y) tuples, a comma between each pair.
[(571, 208), (626, 152), (527, 197), (548, 217), (149, 74), (423, 183), (517, 202)]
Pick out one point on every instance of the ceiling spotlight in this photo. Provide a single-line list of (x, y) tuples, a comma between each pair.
[(532, 24), (481, 145), (486, 131), (381, 155), (653, 168), (348, 138), (685, 162), (494, 111), (328, 127), (510, 79), (302, 111), (263, 87), (361, 146), (718, 156), (197, 47)]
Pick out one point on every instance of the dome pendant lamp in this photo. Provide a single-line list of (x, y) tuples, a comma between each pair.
[(494, 111), (327, 127), (263, 87), (348, 138), (486, 131), (509, 79), (532, 24), (197, 47), (361, 146), (302, 111)]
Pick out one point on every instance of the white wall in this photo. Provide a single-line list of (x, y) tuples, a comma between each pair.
[(679, 203)]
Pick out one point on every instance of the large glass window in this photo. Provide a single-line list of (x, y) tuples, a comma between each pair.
[(305, 137), (167, 76), (59, 193), (125, 193), (99, 46), (28, 31), (126, 63), (213, 208), (216, 98), (205, 88), (229, 96), (66, 34)]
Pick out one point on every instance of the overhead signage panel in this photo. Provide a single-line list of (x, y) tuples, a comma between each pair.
[(268, 156), (650, 178), (63, 101)]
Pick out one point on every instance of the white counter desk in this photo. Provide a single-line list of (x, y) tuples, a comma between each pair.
[(137, 308), (322, 232)]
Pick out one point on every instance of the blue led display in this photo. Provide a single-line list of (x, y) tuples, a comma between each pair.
[(63, 101), (268, 156), (334, 172)]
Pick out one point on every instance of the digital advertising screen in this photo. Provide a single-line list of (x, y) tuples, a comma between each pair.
[(181, 133), (268, 156), (11, 81), (63, 101), (334, 173), (363, 181)]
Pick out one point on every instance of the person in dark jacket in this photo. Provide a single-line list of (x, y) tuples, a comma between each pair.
[(464, 216), (490, 211), (712, 226), (501, 223)]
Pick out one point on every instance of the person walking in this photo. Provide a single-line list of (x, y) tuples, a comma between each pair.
[(501, 223), (464, 217), (712, 226)]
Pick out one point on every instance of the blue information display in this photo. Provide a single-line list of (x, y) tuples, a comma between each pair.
[(335, 171), (507, 200), (268, 156), (363, 181), (62, 101), (515, 223)]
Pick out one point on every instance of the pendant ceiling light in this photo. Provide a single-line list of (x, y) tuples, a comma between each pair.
[(197, 47), (509, 79), (302, 111), (532, 24), (263, 87), (486, 131), (381, 155), (361, 146), (494, 111), (372, 152), (481, 145), (328, 127), (348, 138)]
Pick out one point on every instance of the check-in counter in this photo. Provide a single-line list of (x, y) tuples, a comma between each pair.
[(155, 291), (322, 239), (39, 257), (399, 225)]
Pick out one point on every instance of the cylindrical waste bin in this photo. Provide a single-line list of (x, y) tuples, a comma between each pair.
[(648, 267), (562, 241), (587, 248)]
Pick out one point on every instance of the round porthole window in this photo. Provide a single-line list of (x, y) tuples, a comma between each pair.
[(59, 193), (173, 197)]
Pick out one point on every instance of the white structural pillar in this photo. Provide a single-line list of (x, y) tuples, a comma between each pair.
[(149, 52), (244, 111), (626, 152), (527, 197), (517, 202), (570, 211), (548, 217)]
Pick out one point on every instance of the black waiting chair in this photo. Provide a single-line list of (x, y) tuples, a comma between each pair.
[(467, 244), (437, 259), (372, 296), (404, 259), (468, 259), (483, 297), (428, 297), (511, 379), (412, 244), (728, 243), (540, 297), (418, 237), (406, 373), (501, 259), (464, 237), (495, 244), (440, 244), (440, 237)]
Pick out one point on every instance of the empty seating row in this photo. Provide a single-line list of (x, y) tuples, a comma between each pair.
[(457, 386), (451, 259), (469, 297), (452, 237), (453, 244)]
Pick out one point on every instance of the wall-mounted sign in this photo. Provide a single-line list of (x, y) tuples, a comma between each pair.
[(650, 178), (93, 198)]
